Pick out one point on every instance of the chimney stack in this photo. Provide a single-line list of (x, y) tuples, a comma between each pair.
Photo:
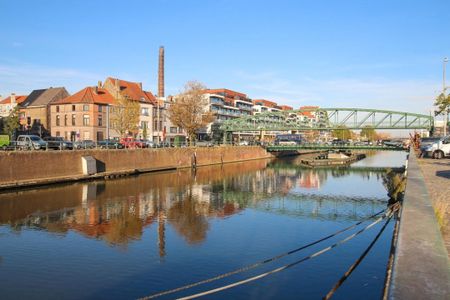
[(161, 72), (116, 83), (13, 98), (140, 85), (99, 84)]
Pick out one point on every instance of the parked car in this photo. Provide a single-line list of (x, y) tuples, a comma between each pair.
[(339, 142), (9, 147), (110, 144), (204, 144), (30, 142), (148, 144), (58, 143), (131, 143), (85, 144), (4, 141), (394, 144), (438, 149)]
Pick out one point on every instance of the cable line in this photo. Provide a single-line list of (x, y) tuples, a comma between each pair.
[(208, 292), (262, 262), (357, 262)]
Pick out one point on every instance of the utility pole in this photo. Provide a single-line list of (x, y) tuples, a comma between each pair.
[(444, 88)]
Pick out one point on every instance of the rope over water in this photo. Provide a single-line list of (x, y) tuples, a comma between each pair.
[(257, 264)]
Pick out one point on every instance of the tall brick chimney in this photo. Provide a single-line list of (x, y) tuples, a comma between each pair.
[(161, 72)]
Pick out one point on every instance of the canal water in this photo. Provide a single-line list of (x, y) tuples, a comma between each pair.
[(133, 237)]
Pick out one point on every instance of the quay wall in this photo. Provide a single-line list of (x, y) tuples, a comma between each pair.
[(18, 168)]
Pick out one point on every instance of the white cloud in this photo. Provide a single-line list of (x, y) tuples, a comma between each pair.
[(23, 78), (378, 93)]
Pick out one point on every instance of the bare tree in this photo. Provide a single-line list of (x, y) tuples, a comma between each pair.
[(190, 109), (125, 116)]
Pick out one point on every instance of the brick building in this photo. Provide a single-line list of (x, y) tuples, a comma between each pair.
[(82, 116), (132, 91), (34, 114)]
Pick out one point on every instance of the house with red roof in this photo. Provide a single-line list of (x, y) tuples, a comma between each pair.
[(83, 116), (9, 103), (152, 115)]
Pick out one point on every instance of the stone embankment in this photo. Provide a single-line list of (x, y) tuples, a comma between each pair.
[(19, 169)]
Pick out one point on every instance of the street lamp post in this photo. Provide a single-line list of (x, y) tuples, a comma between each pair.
[(443, 93)]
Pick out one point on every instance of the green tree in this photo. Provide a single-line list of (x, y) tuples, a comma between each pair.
[(125, 116), (190, 109), (342, 133), (12, 122), (442, 102), (144, 132), (368, 133)]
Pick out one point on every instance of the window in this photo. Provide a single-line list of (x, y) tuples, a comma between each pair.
[(86, 120), (57, 120), (73, 120), (100, 120), (65, 120), (173, 130), (57, 108), (144, 125), (58, 133), (86, 135), (73, 107), (86, 107), (145, 111), (100, 108)]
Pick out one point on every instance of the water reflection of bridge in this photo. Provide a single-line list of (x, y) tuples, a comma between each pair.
[(323, 207)]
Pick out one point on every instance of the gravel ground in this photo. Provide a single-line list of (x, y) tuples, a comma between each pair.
[(437, 180)]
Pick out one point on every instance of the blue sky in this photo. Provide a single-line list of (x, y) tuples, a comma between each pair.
[(374, 54)]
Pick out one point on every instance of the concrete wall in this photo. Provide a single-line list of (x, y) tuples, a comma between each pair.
[(16, 167)]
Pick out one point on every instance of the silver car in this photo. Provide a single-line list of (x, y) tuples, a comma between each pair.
[(30, 142)]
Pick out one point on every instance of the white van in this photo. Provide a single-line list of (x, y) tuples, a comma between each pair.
[(439, 149)]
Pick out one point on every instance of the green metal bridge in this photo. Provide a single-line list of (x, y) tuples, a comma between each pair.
[(328, 119)]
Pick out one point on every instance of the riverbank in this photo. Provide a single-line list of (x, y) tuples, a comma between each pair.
[(33, 168)]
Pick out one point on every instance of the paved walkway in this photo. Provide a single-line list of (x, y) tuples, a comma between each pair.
[(437, 180)]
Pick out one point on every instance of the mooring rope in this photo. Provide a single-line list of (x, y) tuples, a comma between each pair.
[(257, 264), (358, 261), (320, 252)]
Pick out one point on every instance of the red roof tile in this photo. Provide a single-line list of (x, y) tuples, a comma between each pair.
[(19, 99), (286, 107), (133, 90), (89, 95), (265, 102)]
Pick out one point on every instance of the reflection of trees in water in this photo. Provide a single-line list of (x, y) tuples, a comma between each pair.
[(117, 211), (188, 216), (395, 184)]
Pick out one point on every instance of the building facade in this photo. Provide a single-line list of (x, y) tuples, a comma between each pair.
[(82, 116), (150, 110), (34, 113)]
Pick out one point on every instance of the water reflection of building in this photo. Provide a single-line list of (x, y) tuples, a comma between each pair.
[(118, 211)]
